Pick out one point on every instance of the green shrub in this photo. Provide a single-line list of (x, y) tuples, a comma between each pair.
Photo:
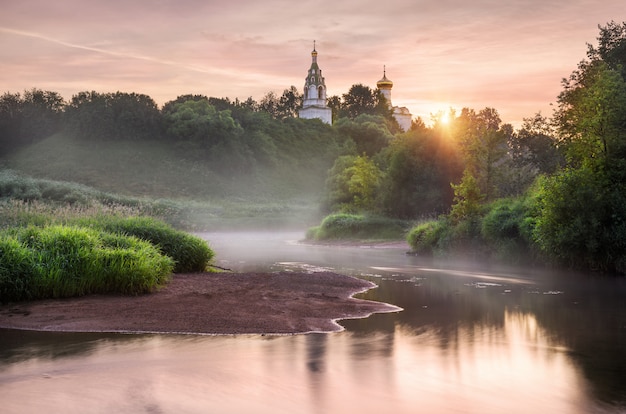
[(424, 237), (507, 229), (502, 221), (65, 261), (445, 237), (581, 220), (312, 233), (358, 227)]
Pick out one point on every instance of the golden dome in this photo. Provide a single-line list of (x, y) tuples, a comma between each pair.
[(384, 82)]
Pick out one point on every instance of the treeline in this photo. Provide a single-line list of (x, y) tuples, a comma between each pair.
[(373, 167), (231, 136)]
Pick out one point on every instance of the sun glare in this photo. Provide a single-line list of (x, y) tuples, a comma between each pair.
[(442, 117), (445, 118)]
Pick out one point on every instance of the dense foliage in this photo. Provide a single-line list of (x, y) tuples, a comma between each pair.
[(27, 118), (574, 210)]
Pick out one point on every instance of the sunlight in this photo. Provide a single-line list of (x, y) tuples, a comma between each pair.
[(443, 117)]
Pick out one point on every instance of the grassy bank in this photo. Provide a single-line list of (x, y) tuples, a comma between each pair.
[(65, 261), (25, 199), (501, 232), (48, 250), (357, 227)]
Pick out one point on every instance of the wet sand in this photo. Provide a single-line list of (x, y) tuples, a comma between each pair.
[(208, 303)]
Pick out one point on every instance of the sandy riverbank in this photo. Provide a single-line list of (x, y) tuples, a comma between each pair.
[(208, 303)]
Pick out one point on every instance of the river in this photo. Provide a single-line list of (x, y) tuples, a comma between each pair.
[(472, 338)]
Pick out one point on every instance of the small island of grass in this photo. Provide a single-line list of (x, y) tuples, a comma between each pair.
[(90, 255)]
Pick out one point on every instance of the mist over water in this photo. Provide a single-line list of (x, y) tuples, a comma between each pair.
[(471, 339)]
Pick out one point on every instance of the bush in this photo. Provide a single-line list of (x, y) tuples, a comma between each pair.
[(358, 227), (424, 238), (502, 220), (65, 261), (507, 229), (581, 220)]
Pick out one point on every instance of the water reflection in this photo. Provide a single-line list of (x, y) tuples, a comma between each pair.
[(469, 340), (517, 369)]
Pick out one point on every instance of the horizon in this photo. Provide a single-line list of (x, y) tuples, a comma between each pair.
[(440, 55)]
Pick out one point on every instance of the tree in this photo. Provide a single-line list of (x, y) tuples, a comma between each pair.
[(352, 184), (582, 208), (369, 133), (611, 47), (10, 121), (289, 103), (29, 117), (468, 198), (363, 183), (209, 134), (270, 104), (334, 103), (596, 121), (419, 167), (582, 220), (285, 106), (483, 143), (361, 99), (534, 146), (44, 111), (113, 116), (533, 151)]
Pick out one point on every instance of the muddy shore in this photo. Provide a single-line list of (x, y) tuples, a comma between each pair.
[(208, 303)]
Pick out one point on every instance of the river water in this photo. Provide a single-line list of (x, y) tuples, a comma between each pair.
[(472, 338)]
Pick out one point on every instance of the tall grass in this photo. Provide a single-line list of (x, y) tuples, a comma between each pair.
[(190, 253), (64, 261)]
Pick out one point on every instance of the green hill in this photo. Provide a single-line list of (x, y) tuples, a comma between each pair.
[(153, 169), (157, 170)]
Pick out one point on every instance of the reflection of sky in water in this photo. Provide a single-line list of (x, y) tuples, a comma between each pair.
[(468, 341), (484, 370)]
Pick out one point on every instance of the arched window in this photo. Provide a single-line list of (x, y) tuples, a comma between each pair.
[(320, 93)]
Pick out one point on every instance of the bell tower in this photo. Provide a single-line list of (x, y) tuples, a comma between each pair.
[(314, 102)]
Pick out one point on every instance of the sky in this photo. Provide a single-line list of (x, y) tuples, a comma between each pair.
[(510, 55)]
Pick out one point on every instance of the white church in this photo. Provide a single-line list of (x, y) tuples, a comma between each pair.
[(314, 102)]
